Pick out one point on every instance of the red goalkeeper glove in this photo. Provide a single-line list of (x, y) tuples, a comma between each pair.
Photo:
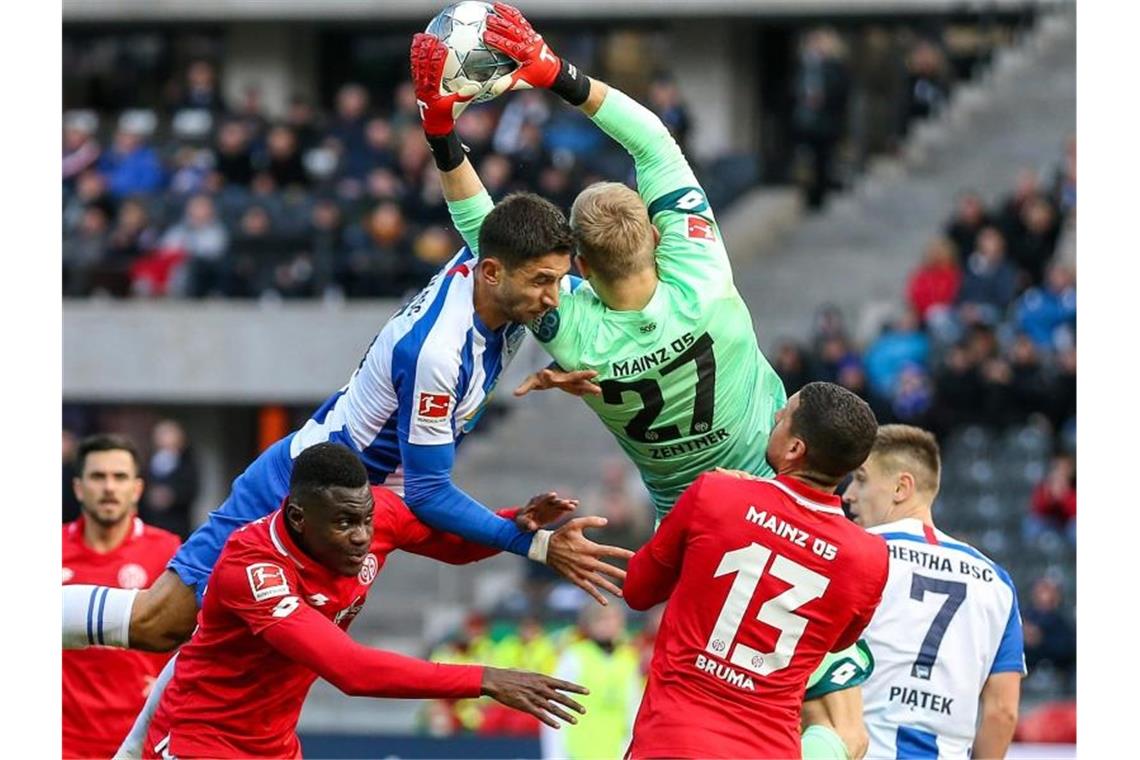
[(438, 108), (509, 31)]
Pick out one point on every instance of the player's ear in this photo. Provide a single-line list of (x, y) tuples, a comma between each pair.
[(797, 450), (491, 270), (656, 236), (140, 484), (76, 487), (295, 515), (583, 265), (904, 487)]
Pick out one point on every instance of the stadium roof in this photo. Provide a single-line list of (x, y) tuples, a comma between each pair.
[(267, 10)]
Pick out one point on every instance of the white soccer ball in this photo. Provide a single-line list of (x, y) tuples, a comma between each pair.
[(469, 60)]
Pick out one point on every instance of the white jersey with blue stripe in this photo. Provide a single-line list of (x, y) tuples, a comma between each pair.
[(425, 379), (948, 620)]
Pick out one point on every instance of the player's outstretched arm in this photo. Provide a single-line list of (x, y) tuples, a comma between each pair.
[(417, 538), (999, 707), (467, 198), (310, 639), (661, 166), (656, 567)]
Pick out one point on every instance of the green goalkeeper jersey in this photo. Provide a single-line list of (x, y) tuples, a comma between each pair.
[(685, 387)]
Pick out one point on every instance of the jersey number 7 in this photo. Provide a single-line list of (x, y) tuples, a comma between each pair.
[(749, 564), (955, 592)]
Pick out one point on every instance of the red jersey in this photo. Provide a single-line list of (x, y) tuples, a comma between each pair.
[(273, 620), (104, 688), (764, 578)]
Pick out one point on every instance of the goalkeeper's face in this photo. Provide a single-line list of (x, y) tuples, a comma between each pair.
[(529, 290)]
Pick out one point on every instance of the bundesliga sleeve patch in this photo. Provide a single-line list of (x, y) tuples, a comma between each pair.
[(433, 406), (701, 229), (266, 580)]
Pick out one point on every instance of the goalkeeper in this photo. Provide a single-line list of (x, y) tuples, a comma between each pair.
[(681, 382)]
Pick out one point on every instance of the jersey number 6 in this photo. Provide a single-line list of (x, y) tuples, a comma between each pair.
[(749, 563)]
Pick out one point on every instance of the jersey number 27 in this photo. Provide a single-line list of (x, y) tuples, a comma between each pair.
[(749, 564)]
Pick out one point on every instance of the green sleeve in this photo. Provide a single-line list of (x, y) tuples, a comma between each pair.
[(660, 164), (821, 743), (841, 670), (691, 251), (468, 215)]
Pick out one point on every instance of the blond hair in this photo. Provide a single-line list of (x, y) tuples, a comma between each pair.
[(905, 448), (612, 230)]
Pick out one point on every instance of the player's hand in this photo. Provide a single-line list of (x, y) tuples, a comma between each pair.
[(508, 31), (438, 108), (544, 509), (533, 693), (575, 383), (578, 559)]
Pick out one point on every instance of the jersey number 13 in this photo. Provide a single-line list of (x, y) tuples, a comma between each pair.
[(749, 564)]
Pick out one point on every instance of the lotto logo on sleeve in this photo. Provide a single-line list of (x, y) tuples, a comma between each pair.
[(433, 406), (266, 580), (701, 229)]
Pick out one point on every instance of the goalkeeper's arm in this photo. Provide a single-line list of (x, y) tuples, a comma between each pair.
[(661, 166)]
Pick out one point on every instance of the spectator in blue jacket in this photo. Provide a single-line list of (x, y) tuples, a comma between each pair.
[(131, 166), (900, 345), (989, 281), (1042, 312)]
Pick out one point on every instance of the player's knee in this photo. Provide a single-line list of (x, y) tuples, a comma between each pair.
[(163, 615)]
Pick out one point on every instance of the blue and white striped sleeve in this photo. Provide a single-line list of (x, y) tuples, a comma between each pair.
[(426, 390), (1010, 657)]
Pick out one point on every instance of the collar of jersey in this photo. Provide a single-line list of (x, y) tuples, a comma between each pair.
[(75, 533), (284, 543), (630, 315), (810, 497), (485, 331)]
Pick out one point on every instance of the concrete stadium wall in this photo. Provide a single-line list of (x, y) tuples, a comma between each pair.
[(213, 351)]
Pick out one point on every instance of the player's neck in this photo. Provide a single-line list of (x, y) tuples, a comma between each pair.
[(489, 314), (913, 511), (630, 294), (102, 539), (812, 480)]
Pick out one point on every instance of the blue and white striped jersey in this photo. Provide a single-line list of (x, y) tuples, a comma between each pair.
[(948, 620), (421, 386), (425, 380)]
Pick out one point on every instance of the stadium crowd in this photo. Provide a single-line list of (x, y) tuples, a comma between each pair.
[(214, 201), (986, 333)]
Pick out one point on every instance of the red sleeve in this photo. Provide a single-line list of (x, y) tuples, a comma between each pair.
[(855, 629), (413, 536), (310, 639), (654, 569)]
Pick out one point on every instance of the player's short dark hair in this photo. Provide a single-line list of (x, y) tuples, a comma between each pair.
[(324, 466), (837, 426), (105, 442), (523, 227)]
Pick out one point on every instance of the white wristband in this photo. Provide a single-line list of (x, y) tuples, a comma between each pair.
[(539, 545)]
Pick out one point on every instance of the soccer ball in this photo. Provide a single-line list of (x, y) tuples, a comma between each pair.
[(469, 60)]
